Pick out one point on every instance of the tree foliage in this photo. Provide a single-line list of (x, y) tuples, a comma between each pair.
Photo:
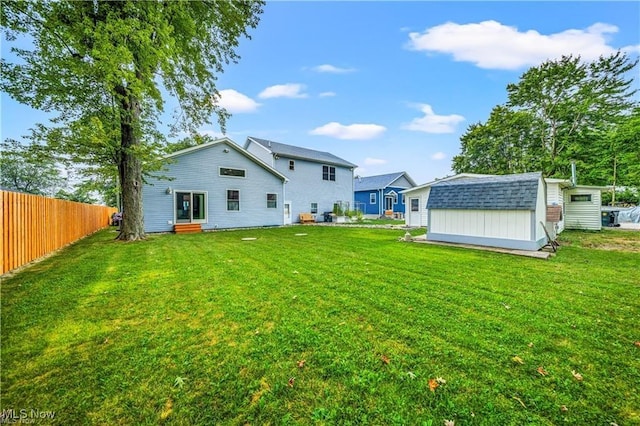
[(29, 169), (561, 111), (103, 66)]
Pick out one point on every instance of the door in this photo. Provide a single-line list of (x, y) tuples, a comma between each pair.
[(190, 207), (414, 211), (388, 203), (287, 212)]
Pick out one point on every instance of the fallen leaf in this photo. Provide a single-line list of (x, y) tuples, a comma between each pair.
[(517, 359), (564, 409), (577, 376), (637, 343), (542, 371), (291, 380), (411, 375), (449, 423), (167, 410), (530, 344), (105, 341), (179, 382), (301, 363), (441, 381), (385, 359), (433, 384)]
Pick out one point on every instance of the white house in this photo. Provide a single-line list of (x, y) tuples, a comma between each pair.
[(580, 204)]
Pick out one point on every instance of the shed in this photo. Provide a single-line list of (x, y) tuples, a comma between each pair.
[(505, 211), (580, 204)]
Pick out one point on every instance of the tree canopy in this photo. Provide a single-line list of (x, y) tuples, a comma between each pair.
[(104, 66), (561, 111)]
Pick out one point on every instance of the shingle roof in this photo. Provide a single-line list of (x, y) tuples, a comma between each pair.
[(291, 151), (378, 182), (506, 192)]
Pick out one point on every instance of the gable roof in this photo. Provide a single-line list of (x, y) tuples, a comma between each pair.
[(501, 192), (296, 152), (234, 146), (370, 183)]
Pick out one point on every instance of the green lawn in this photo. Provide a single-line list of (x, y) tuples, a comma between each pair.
[(338, 326)]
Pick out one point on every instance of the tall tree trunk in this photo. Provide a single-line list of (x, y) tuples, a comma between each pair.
[(130, 169)]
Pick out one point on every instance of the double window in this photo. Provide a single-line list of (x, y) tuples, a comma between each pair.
[(328, 173), (191, 206), (314, 208)]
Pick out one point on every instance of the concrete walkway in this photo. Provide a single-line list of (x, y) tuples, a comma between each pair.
[(422, 239)]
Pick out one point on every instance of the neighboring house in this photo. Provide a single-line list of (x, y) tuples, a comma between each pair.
[(580, 205), (316, 180), (417, 197), (375, 195), (507, 211), (215, 185)]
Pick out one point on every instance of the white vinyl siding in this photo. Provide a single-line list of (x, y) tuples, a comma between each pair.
[(505, 224), (582, 214)]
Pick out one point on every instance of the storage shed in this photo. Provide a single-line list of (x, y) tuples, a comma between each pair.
[(581, 204), (505, 211)]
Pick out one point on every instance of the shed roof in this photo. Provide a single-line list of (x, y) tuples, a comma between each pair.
[(504, 192), (290, 151), (380, 181)]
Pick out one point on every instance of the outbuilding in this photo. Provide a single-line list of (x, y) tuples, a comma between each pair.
[(507, 211), (580, 204)]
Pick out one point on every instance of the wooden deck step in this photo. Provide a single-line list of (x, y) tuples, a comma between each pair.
[(187, 228)]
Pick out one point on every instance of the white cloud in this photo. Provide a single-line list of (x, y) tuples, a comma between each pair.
[(492, 45), (289, 90), (351, 131), (439, 156), (332, 69), (434, 123), (236, 102), (327, 94), (374, 161)]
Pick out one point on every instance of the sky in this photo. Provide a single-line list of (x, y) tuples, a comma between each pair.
[(391, 86)]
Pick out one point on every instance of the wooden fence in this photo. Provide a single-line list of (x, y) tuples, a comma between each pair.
[(33, 226)]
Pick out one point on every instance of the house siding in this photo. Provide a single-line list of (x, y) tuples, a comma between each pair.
[(555, 197), (306, 186), (199, 171), (363, 197), (583, 214)]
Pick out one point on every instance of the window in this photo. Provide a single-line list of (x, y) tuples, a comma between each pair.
[(415, 204), (233, 200), (314, 208), (372, 198), (328, 173), (580, 197), (403, 199), (190, 207), (226, 171), (272, 201), (292, 165)]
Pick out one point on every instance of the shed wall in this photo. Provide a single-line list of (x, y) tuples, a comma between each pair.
[(583, 214)]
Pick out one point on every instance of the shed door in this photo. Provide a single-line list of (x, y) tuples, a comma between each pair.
[(414, 211)]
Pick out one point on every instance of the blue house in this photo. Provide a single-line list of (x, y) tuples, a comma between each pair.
[(316, 180), (380, 195), (214, 186)]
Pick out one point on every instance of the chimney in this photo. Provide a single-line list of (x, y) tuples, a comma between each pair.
[(574, 180)]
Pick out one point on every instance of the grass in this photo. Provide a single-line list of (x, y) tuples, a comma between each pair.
[(210, 329)]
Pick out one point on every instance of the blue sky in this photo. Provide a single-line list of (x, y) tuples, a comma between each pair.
[(392, 86)]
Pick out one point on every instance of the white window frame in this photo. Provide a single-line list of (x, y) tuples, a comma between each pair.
[(329, 168), (230, 176), (226, 199), (276, 200), (373, 199), (311, 209)]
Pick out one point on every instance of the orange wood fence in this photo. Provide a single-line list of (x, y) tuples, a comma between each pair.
[(33, 226)]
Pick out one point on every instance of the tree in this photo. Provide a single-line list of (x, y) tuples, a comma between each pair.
[(29, 169), (558, 112), (103, 66)]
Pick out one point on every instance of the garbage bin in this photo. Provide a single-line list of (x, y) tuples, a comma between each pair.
[(605, 218)]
